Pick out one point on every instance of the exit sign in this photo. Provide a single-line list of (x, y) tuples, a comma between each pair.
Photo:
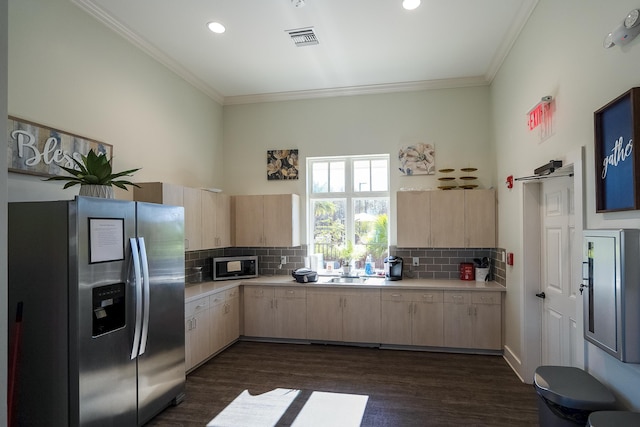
[(536, 116)]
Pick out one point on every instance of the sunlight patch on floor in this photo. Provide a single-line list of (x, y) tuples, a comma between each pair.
[(265, 410), (332, 409)]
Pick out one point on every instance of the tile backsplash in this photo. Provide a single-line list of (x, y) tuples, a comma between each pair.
[(268, 260), (444, 263), (440, 263)]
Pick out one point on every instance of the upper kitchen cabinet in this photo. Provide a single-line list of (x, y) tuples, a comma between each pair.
[(447, 219), (216, 220), (192, 219), (267, 220), (207, 215), (170, 194), (159, 192), (480, 218), (414, 226)]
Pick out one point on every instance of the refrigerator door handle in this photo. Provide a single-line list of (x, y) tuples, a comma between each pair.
[(145, 291), (135, 255)]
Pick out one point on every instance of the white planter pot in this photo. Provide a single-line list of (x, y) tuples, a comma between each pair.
[(102, 191)]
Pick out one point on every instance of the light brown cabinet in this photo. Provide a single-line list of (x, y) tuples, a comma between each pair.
[(446, 219), (412, 317), (216, 220), (267, 220), (275, 312), (473, 320), (207, 215), (225, 319), (344, 315), (414, 224), (197, 330)]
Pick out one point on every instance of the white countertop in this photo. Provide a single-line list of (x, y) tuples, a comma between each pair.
[(195, 291)]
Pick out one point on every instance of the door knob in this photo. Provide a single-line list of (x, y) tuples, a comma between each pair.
[(541, 295), (582, 286)]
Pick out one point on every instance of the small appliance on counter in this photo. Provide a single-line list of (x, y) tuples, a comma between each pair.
[(305, 275), (236, 267), (467, 271), (393, 268)]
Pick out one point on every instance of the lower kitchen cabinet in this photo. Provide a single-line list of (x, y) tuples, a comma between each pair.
[(275, 312), (225, 319), (412, 317), (344, 315), (473, 320), (197, 337)]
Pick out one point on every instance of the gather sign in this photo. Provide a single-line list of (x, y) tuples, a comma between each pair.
[(36, 149)]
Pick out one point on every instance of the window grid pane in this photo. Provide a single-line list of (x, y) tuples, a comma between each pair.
[(337, 177)]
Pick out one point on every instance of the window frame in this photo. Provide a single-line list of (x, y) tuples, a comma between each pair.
[(349, 195)]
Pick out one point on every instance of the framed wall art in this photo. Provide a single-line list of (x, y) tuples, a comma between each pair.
[(36, 149), (282, 164), (616, 127), (417, 159)]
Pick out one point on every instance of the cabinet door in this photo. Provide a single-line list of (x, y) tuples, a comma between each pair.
[(290, 313), (281, 220), (249, 221), (361, 316), (197, 327), (447, 219), (158, 192), (324, 315), (188, 343), (217, 320), (428, 319), (396, 315), (413, 211), (258, 311), (232, 316), (223, 220), (192, 218), (457, 319), (480, 218), (200, 342), (209, 220), (487, 325)]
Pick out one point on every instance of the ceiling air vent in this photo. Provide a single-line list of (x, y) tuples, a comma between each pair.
[(303, 36)]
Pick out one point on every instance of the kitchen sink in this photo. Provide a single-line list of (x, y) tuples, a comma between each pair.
[(347, 280), (358, 280)]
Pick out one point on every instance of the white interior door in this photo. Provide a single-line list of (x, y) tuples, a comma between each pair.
[(559, 322)]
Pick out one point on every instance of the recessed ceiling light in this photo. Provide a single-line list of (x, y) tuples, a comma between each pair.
[(216, 27), (410, 4)]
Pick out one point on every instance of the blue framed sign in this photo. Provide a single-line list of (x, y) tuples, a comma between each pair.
[(617, 125)]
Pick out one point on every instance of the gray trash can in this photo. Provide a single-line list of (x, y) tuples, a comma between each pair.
[(614, 419), (567, 395)]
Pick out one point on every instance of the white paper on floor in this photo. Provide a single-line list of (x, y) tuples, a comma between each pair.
[(263, 410)]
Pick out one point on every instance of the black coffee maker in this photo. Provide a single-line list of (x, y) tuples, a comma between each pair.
[(393, 268)]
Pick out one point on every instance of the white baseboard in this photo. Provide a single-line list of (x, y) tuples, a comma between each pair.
[(514, 362)]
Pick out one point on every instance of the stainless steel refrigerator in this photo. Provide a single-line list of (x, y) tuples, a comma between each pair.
[(101, 284)]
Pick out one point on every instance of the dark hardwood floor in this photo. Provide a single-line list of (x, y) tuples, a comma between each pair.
[(405, 388)]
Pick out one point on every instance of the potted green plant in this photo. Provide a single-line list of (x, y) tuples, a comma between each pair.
[(346, 257), (95, 176)]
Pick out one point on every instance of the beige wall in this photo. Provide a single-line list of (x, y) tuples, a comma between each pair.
[(68, 71), (456, 121), (560, 53)]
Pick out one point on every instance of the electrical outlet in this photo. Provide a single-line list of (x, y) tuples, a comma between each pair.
[(416, 261), (283, 259)]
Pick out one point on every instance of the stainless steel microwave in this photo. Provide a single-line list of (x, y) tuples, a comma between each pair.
[(236, 267)]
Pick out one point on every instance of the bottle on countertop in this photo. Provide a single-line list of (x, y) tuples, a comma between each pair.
[(368, 266)]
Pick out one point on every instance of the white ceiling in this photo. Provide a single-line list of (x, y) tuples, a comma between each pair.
[(365, 46)]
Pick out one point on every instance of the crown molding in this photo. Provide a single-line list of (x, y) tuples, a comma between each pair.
[(356, 90), (519, 22), (102, 16)]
